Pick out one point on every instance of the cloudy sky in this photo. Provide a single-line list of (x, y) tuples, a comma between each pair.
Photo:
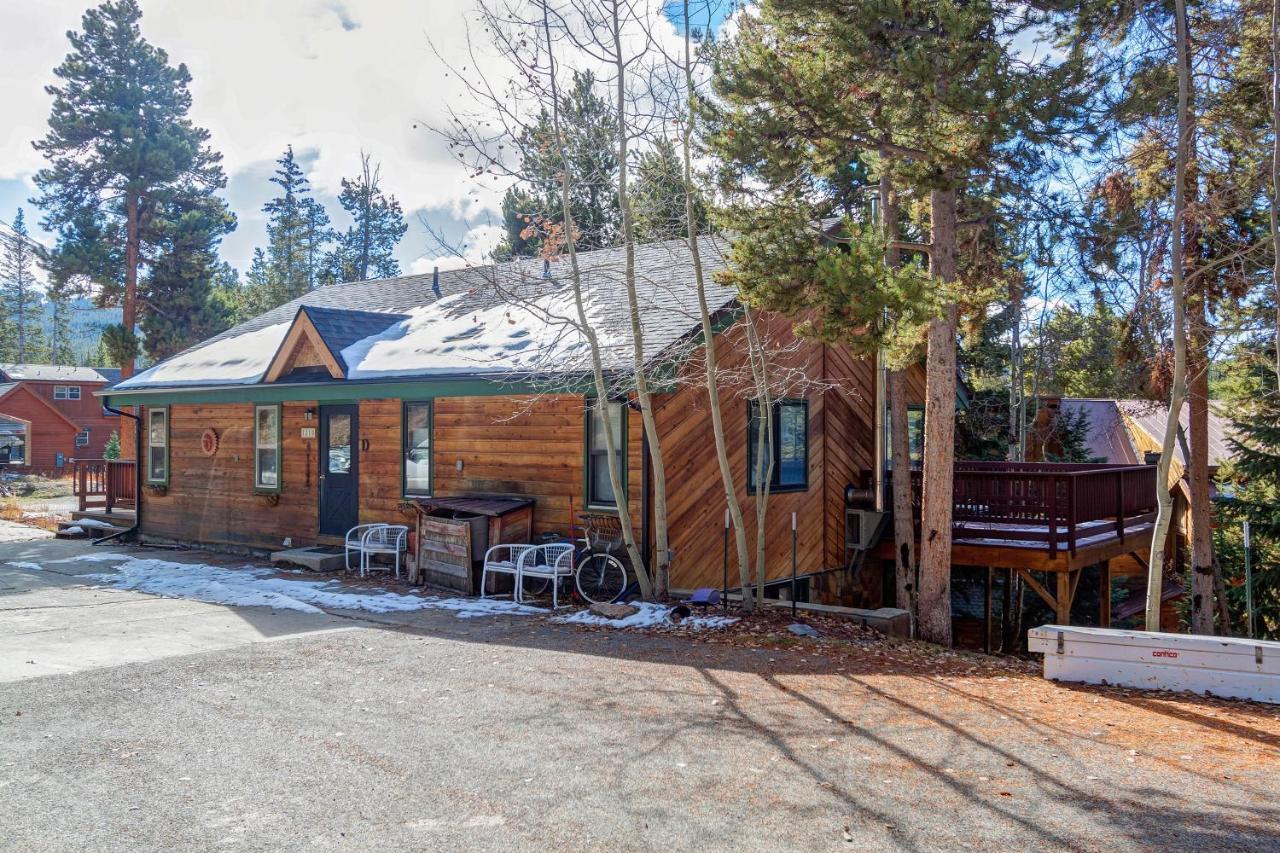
[(330, 78)]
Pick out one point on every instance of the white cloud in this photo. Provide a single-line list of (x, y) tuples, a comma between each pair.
[(473, 250)]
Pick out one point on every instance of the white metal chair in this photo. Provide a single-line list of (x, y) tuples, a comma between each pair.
[(503, 560), (556, 564), (369, 540)]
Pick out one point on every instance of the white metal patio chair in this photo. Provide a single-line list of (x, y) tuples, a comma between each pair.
[(552, 562), (503, 560), (369, 540)]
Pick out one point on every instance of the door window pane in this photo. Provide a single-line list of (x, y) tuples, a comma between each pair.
[(339, 444), (417, 448), (266, 441), (793, 448)]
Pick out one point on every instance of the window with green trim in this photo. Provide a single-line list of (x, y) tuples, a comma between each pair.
[(790, 447), (599, 485), (157, 445), (416, 432), (266, 447)]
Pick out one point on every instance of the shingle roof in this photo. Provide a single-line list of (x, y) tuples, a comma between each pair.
[(1152, 418), (1107, 438), (525, 300), (57, 373), (340, 328)]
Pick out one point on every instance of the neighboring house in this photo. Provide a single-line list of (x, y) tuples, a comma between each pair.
[(49, 415), (1131, 432), (336, 408)]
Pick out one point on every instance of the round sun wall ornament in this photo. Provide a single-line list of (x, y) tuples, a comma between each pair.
[(209, 442)]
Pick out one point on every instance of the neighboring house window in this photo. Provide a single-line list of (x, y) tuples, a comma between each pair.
[(158, 445), (82, 438), (790, 450), (417, 448), (915, 434), (66, 392), (266, 447), (599, 486)]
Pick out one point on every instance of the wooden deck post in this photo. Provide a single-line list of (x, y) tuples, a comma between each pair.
[(987, 613), (1063, 598), (1104, 594)]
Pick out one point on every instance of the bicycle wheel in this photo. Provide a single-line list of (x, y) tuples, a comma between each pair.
[(601, 579)]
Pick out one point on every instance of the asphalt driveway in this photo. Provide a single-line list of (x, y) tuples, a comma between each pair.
[(134, 722)]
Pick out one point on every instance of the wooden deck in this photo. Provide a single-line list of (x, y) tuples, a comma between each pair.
[(1028, 517)]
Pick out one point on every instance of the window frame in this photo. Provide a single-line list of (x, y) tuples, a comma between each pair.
[(66, 392), (405, 492), (775, 416), (83, 433), (258, 485), (151, 413), (587, 454)]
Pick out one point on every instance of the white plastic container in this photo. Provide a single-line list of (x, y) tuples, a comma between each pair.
[(1221, 666)]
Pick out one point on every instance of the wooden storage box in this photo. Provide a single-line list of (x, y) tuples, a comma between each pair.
[(454, 533)]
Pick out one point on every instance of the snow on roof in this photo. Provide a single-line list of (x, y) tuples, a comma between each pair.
[(512, 318), (57, 373)]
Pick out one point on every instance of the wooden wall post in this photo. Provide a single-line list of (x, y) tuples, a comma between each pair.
[(1063, 598), (1104, 594)]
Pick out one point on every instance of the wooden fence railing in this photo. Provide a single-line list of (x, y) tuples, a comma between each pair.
[(107, 484), (1046, 501)]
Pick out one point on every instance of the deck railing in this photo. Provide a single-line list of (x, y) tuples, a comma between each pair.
[(1054, 503), (106, 484)]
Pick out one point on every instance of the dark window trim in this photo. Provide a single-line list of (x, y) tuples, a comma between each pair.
[(624, 452), (258, 485), (776, 419), (164, 481), (404, 448)]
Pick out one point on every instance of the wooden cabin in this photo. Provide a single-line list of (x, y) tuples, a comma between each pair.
[(345, 405)]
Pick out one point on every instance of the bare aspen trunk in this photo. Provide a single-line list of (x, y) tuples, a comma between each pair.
[(597, 368), (939, 433), (711, 364), (904, 529), (1159, 536), (643, 397), (1202, 563), (764, 445)]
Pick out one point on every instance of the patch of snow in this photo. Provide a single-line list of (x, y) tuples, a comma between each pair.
[(95, 524), (74, 529), (96, 557), (238, 360), (802, 630), (20, 564), (250, 586), (449, 337), (11, 532), (649, 615)]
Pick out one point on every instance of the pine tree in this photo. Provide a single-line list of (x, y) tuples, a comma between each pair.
[(658, 196), (367, 249), (61, 291), (17, 277), (179, 283), (120, 145), (298, 232), (531, 210)]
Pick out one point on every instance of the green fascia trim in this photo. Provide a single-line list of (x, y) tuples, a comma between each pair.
[(343, 391)]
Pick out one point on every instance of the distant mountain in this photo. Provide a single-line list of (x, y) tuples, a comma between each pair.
[(87, 323)]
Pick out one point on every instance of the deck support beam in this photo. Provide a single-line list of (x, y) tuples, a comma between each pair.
[(1104, 594), (987, 612)]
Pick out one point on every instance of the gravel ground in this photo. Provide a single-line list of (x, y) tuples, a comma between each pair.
[(427, 732)]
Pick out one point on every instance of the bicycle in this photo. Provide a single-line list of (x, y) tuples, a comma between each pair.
[(599, 576)]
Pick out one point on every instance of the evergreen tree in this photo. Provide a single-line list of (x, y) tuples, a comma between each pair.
[(17, 278), (297, 232), (179, 284), (120, 146), (61, 291), (531, 210), (367, 249), (658, 196)]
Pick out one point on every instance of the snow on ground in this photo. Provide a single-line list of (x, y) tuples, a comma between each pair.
[(250, 586), (20, 564), (648, 616), (95, 524)]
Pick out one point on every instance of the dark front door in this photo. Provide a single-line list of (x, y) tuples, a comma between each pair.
[(339, 469)]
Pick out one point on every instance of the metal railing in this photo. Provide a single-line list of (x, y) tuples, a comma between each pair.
[(1047, 502), (106, 484)]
